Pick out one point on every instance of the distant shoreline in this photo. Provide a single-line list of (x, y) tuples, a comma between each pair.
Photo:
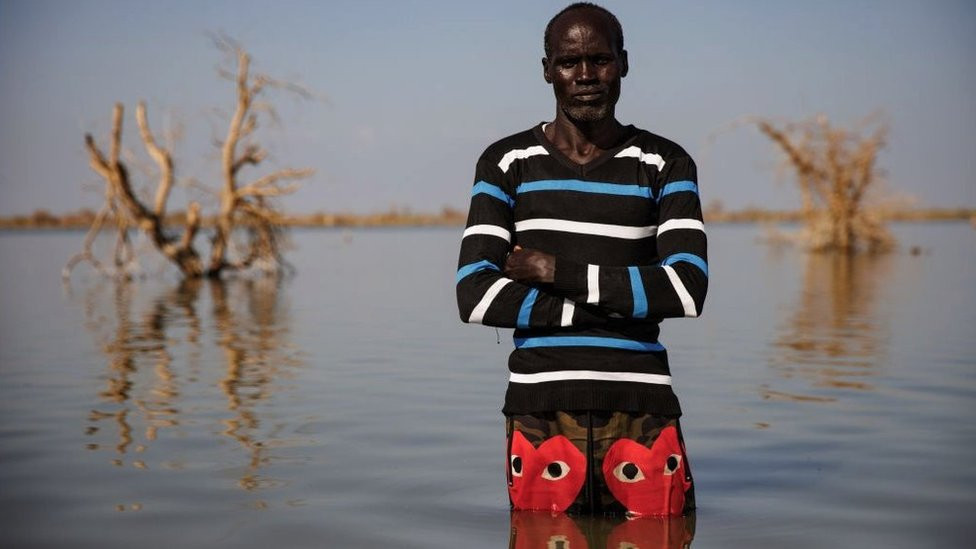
[(449, 217)]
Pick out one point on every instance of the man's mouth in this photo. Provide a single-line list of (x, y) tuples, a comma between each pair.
[(588, 96)]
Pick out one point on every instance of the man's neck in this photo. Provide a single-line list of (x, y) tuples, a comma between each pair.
[(584, 141)]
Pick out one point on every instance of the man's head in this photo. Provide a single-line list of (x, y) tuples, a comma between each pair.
[(618, 38), (585, 61)]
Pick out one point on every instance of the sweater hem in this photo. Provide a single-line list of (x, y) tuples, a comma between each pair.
[(523, 398)]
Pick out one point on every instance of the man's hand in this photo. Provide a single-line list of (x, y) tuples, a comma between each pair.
[(528, 265)]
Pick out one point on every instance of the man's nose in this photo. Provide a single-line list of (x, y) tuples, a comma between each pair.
[(586, 71)]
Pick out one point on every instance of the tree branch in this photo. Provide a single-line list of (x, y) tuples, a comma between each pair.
[(116, 135), (162, 157), (267, 185), (252, 154)]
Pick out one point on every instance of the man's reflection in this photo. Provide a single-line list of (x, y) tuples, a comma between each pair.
[(544, 530)]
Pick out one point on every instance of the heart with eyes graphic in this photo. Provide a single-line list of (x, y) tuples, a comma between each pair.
[(545, 478), (648, 481)]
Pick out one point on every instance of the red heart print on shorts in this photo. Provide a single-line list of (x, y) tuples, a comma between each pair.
[(648, 481), (545, 478)]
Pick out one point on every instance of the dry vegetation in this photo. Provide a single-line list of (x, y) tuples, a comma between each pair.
[(715, 213), (394, 217), (245, 205), (836, 170)]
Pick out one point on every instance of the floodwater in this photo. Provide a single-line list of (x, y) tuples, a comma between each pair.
[(828, 402)]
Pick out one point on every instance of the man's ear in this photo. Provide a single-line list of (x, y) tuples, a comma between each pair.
[(545, 70), (624, 67)]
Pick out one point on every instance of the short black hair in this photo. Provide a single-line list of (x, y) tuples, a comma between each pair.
[(547, 38)]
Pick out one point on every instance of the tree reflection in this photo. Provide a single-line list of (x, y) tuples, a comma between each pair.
[(255, 354), (834, 337), (154, 382)]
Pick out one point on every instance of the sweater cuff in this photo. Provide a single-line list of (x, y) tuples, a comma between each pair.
[(570, 278)]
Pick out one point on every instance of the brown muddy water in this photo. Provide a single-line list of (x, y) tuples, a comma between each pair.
[(828, 402)]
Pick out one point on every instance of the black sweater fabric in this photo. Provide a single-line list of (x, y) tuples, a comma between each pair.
[(626, 230)]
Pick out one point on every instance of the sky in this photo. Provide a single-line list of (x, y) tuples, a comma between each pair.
[(409, 93)]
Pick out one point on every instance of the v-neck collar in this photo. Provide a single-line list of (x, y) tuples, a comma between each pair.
[(581, 169)]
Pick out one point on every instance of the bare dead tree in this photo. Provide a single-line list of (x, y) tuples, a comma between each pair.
[(835, 169), (241, 205), (248, 203)]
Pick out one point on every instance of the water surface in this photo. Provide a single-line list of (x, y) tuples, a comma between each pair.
[(828, 401)]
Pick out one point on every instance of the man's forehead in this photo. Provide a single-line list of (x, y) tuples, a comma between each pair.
[(578, 25)]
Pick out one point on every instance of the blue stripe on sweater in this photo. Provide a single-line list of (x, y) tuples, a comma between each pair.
[(525, 312), (484, 187), (472, 268), (637, 288), (587, 341), (690, 258), (677, 187), (619, 189)]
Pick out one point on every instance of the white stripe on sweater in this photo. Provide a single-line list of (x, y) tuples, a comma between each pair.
[(520, 154), (568, 308), (647, 158), (679, 288), (493, 230), (628, 232), (591, 375), (672, 224), (592, 283), (478, 313)]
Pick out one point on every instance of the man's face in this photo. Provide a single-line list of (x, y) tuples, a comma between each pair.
[(584, 67)]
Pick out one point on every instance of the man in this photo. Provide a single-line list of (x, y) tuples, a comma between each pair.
[(582, 235)]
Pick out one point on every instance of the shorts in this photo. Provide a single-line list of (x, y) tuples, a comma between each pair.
[(594, 462)]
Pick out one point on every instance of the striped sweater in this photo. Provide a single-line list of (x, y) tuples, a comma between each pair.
[(626, 230)]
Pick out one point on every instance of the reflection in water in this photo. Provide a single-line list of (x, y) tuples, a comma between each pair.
[(127, 346), (145, 386), (254, 350), (543, 530), (834, 337)]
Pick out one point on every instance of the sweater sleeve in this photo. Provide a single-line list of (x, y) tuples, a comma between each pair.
[(673, 287), (484, 294)]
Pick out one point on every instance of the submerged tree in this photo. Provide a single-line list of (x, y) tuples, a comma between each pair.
[(246, 206), (836, 168)]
